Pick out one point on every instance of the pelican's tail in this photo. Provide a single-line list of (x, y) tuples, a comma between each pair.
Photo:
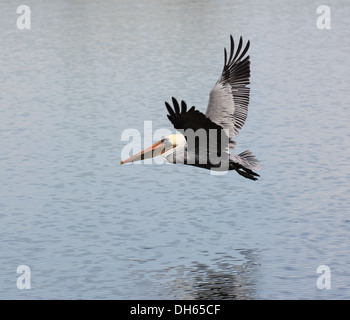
[(244, 164)]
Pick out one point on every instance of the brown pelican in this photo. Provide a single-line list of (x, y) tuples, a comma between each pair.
[(206, 140)]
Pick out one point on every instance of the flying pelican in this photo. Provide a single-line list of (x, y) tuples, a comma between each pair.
[(225, 116)]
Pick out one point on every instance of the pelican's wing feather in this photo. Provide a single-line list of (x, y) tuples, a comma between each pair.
[(229, 98), (188, 122), (183, 119)]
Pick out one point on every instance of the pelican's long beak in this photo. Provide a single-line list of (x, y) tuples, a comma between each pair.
[(150, 152)]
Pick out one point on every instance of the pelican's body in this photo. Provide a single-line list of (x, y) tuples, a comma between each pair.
[(206, 140)]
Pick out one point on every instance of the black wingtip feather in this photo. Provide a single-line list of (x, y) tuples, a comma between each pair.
[(176, 105), (183, 107), (170, 110), (232, 47), (245, 50), (225, 57), (239, 48)]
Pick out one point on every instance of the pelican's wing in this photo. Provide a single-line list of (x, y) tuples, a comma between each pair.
[(184, 119), (229, 98)]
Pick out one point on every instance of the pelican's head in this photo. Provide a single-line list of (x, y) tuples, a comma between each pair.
[(163, 147)]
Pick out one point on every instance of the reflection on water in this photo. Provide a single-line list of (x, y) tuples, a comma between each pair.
[(227, 282), (224, 281)]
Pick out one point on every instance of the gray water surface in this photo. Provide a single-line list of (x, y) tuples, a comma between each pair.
[(89, 228)]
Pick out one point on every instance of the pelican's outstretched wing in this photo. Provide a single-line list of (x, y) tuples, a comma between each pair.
[(184, 119), (229, 98), (189, 119)]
